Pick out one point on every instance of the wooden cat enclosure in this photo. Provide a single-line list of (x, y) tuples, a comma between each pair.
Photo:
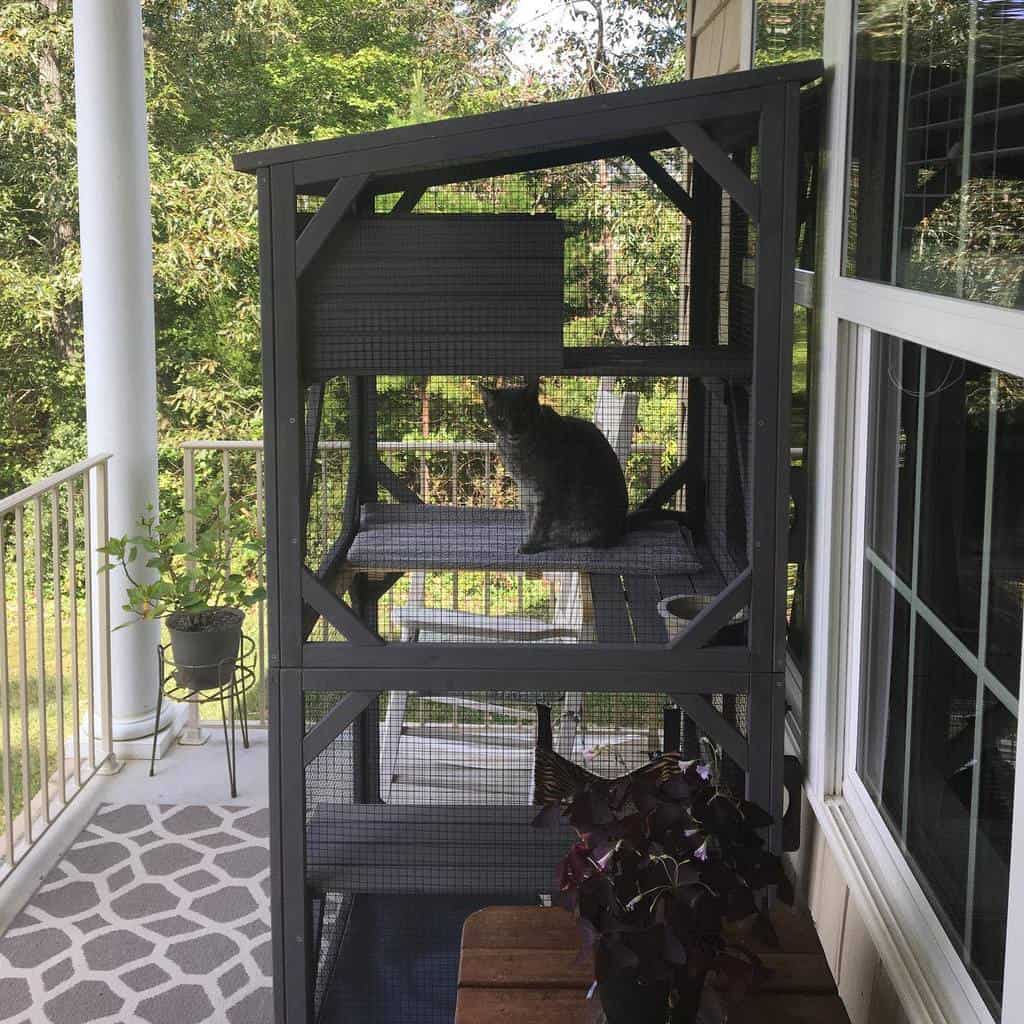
[(635, 252)]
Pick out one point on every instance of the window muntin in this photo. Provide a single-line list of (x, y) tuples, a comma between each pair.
[(937, 743), (936, 161)]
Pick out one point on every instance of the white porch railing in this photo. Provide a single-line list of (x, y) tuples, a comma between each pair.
[(55, 700)]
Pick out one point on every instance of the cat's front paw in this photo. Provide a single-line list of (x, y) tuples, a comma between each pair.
[(530, 547)]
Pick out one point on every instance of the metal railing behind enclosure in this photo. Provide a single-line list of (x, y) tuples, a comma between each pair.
[(456, 472), (54, 650)]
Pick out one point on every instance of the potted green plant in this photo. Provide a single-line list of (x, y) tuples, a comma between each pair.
[(200, 587), (657, 872)]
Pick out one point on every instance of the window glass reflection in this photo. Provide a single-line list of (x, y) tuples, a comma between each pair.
[(943, 597), (936, 171)]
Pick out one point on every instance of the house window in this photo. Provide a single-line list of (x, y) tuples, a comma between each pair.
[(944, 579), (936, 170), (788, 30), (804, 339)]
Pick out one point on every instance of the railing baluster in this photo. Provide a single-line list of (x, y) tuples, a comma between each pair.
[(261, 607), (225, 477), (488, 482), (58, 641), (5, 705), (37, 564), (29, 805), (193, 727), (73, 615), (189, 495), (26, 750), (325, 528), (90, 618), (103, 616)]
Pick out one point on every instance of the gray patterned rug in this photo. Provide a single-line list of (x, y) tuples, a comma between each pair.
[(156, 914)]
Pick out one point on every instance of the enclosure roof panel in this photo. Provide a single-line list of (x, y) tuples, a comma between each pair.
[(543, 126)]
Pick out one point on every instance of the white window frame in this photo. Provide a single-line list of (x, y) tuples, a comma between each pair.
[(923, 964)]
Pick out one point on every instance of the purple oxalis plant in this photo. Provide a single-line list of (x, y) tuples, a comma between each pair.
[(659, 870)]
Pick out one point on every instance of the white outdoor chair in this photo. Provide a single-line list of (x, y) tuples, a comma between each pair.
[(615, 415)]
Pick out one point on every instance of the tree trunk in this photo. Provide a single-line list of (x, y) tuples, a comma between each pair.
[(425, 432)]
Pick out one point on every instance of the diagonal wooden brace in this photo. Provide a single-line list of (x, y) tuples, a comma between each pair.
[(712, 724), (696, 141), (716, 615), (335, 722), (339, 201), (657, 172), (337, 613)]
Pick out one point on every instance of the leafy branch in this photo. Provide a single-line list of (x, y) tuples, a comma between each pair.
[(219, 568)]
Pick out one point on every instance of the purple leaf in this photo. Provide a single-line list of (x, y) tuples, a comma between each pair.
[(550, 816), (676, 787)]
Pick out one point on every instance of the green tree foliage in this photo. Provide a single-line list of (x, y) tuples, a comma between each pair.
[(222, 76), (231, 75), (40, 337)]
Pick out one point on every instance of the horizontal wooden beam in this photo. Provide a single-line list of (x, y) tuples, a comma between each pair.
[(495, 679), (656, 361), (555, 141), (614, 109), (622, 662)]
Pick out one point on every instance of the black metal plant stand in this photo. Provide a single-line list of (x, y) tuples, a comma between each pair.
[(235, 680)]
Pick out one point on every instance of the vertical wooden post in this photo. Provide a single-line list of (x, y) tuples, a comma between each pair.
[(772, 384), (283, 464)]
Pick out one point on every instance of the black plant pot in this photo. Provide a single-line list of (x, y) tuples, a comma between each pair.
[(626, 1001), (204, 659)]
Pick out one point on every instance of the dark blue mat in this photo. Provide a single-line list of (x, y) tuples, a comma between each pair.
[(399, 961)]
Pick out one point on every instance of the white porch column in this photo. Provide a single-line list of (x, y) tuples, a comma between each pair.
[(117, 286)]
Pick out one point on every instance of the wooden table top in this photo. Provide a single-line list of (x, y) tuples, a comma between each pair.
[(524, 965)]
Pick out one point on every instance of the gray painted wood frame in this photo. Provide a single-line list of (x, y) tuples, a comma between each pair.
[(410, 160)]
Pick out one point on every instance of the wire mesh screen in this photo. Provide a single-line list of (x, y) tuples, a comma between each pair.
[(442, 520), (430, 510), (419, 813), (624, 274)]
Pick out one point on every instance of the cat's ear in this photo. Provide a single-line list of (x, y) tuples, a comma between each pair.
[(533, 388)]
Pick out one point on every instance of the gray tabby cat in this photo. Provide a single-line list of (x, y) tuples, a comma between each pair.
[(568, 475)]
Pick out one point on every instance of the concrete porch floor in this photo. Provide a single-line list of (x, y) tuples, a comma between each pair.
[(186, 775)]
